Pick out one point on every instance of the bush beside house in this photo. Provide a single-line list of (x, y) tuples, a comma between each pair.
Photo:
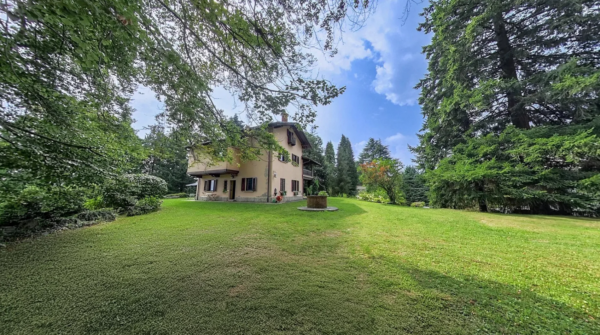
[(36, 210)]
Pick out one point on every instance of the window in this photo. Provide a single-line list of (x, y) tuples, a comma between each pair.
[(281, 157), (249, 184), (282, 185), (296, 159), (210, 185), (291, 138), (295, 186), (225, 186)]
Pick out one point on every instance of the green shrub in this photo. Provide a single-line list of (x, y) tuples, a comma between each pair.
[(67, 222), (379, 196), (126, 190), (104, 214), (147, 186), (146, 205), (115, 193), (41, 205), (323, 193), (418, 204), (94, 203)]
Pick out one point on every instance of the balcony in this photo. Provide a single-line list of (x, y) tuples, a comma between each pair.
[(198, 166), (307, 174)]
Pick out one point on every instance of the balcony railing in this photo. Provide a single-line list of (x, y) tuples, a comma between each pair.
[(307, 173)]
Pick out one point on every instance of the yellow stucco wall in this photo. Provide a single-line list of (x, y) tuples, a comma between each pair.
[(202, 164), (259, 170), (286, 170)]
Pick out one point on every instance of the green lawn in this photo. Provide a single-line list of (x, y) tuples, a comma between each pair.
[(204, 268)]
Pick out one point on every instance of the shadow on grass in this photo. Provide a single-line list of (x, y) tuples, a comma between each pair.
[(291, 275), (487, 306), (263, 210), (541, 217)]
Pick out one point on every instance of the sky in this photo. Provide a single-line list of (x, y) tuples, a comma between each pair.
[(379, 64)]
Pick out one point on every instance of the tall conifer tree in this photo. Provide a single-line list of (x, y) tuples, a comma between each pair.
[(330, 169), (510, 102), (347, 175), (374, 150)]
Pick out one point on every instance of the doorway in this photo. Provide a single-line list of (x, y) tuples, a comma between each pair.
[(232, 190)]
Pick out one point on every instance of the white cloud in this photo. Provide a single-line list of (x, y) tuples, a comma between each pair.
[(395, 138), (358, 147), (352, 48), (394, 46), (384, 39), (398, 144)]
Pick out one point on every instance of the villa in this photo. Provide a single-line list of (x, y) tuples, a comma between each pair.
[(260, 180)]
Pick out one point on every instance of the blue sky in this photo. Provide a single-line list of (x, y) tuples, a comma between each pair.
[(379, 65)]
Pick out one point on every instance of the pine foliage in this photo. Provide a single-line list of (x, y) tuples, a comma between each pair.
[(510, 103), (413, 186), (330, 168), (374, 150), (346, 170), (167, 158)]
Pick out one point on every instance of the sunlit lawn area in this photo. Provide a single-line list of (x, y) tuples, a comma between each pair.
[(226, 268)]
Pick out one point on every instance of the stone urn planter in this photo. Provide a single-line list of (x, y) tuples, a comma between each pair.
[(316, 201)]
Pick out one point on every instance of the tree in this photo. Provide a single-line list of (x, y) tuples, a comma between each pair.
[(385, 174), (523, 71), (374, 150), (413, 185), (236, 121), (167, 158), (347, 174), (68, 69), (330, 169), (544, 173)]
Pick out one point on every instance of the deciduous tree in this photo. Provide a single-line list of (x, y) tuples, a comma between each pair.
[(385, 174), (68, 68)]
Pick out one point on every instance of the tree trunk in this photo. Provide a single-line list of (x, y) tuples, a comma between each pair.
[(482, 203), (518, 115), (391, 194)]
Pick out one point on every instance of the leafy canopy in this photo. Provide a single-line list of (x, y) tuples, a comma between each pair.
[(385, 174), (68, 69)]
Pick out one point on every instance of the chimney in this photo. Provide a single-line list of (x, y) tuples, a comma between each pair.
[(284, 117)]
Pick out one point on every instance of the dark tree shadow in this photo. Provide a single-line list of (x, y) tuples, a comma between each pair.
[(493, 307)]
